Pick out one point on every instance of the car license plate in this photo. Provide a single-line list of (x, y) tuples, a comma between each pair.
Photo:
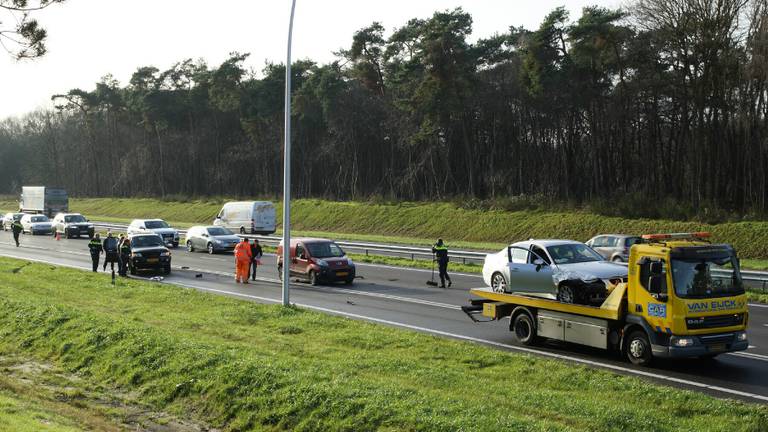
[(342, 273), (153, 260), (717, 347)]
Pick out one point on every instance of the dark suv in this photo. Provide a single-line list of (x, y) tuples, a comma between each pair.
[(148, 252)]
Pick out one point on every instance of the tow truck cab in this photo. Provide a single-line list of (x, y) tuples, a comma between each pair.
[(684, 297), (687, 296)]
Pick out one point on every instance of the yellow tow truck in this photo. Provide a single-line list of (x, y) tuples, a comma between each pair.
[(683, 297)]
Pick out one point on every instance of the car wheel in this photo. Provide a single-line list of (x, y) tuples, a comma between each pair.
[(190, 246), (280, 272), (313, 278), (638, 349), (498, 283), (349, 281), (242, 230), (167, 270), (617, 259), (210, 249), (566, 294), (132, 269), (524, 329)]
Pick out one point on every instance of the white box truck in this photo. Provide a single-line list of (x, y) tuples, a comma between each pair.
[(43, 200), (247, 217)]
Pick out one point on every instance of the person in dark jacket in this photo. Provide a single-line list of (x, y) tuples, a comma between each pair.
[(125, 255), (441, 256), (111, 252), (16, 228), (256, 255), (96, 250)]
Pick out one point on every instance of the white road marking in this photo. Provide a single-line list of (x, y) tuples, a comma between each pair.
[(750, 355)]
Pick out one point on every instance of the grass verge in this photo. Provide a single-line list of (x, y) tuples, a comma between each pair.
[(244, 366)]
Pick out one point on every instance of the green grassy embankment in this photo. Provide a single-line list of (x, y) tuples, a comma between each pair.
[(237, 365)]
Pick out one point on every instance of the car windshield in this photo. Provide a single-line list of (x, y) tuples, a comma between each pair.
[(629, 241), (156, 224), (712, 277), (74, 219), (146, 241), (218, 231), (573, 253), (38, 219), (325, 250)]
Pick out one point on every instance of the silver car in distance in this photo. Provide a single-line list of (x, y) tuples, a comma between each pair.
[(563, 270)]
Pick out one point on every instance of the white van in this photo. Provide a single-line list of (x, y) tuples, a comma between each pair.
[(247, 217)]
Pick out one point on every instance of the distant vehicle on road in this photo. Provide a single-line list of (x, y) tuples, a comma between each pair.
[(565, 270), (9, 218), (36, 224), (160, 227), (247, 217), (72, 225), (43, 200), (148, 252), (613, 247), (211, 238), (317, 261)]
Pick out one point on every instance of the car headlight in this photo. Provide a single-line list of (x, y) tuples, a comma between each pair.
[(90, 226), (741, 336), (137, 254), (350, 263), (322, 263), (165, 254), (683, 342)]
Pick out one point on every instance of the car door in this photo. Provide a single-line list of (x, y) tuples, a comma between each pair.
[(528, 275), (301, 261)]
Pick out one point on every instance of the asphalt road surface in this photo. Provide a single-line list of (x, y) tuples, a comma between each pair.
[(400, 297)]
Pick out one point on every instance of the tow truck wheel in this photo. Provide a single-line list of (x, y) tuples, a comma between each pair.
[(638, 349), (498, 283), (524, 329)]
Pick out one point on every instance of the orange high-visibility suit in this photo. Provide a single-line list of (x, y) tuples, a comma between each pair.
[(242, 261)]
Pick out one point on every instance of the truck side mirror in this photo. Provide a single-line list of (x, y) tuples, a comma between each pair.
[(656, 287), (656, 268)]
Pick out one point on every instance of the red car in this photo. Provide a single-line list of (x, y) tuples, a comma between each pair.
[(317, 261)]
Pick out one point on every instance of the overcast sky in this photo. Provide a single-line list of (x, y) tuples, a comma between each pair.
[(91, 38)]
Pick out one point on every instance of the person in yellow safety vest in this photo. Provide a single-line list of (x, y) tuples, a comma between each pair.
[(96, 250), (16, 228), (242, 261), (441, 256)]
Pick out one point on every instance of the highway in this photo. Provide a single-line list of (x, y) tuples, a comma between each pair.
[(399, 297)]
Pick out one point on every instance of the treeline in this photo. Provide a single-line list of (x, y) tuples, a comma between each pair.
[(664, 101)]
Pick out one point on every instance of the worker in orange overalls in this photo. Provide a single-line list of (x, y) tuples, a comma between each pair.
[(242, 261)]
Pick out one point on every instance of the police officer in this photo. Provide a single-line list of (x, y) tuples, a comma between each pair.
[(256, 254), (441, 255), (125, 255), (110, 250), (16, 228), (96, 250)]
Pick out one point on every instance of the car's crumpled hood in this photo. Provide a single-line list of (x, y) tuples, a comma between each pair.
[(588, 271)]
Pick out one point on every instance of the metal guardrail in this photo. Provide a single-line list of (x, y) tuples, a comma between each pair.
[(366, 248)]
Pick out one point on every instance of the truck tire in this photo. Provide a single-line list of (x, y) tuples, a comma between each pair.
[(524, 329), (638, 348), (498, 283)]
